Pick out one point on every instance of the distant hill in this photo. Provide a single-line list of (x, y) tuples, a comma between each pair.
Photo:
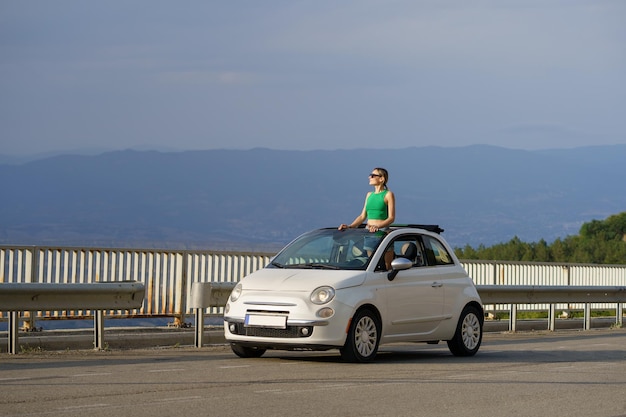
[(260, 199)]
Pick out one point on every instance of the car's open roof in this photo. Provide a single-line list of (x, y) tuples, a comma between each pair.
[(430, 227)]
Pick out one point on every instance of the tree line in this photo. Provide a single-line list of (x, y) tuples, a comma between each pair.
[(598, 242)]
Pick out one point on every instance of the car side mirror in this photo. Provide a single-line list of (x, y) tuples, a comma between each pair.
[(397, 265)]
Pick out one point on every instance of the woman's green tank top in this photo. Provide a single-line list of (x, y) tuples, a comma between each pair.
[(375, 207)]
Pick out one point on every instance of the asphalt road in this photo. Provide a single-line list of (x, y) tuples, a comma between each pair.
[(567, 373)]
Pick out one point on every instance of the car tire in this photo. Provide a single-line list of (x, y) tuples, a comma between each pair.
[(469, 333), (363, 337), (246, 351)]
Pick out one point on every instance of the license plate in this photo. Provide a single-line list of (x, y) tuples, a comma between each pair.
[(262, 320)]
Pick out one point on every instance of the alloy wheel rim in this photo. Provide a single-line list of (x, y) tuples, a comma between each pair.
[(365, 336), (471, 331)]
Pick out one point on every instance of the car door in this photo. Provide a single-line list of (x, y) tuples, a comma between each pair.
[(414, 297), (445, 272)]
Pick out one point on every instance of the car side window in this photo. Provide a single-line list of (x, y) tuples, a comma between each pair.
[(436, 252), (411, 249)]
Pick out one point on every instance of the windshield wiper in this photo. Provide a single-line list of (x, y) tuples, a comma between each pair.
[(277, 265), (321, 266), (310, 265)]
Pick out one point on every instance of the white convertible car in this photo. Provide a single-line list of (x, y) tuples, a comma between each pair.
[(333, 289)]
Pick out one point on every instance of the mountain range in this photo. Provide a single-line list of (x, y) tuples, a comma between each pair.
[(260, 199)]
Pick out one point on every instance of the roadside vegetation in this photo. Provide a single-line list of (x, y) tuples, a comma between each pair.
[(598, 242)]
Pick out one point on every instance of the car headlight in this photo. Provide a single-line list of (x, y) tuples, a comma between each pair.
[(322, 295), (236, 292)]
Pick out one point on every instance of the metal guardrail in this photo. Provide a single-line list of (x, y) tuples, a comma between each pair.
[(215, 294), (97, 296), (538, 294), (205, 295), (168, 276)]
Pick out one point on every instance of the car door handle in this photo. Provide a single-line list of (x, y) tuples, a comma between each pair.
[(437, 284)]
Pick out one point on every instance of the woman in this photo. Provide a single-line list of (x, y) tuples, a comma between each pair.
[(380, 205), (379, 208)]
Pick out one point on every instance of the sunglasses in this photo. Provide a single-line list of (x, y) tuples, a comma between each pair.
[(375, 175)]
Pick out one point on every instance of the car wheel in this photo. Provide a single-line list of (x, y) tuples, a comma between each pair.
[(469, 333), (247, 352), (363, 337)]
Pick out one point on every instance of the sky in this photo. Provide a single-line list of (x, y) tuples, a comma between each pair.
[(312, 74)]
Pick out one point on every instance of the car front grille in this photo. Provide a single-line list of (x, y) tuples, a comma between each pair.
[(289, 332)]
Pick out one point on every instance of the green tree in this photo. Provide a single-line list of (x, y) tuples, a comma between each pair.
[(598, 241)]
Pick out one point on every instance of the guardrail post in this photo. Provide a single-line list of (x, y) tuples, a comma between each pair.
[(513, 318), (98, 330), (587, 316), (619, 315), (198, 339), (552, 317), (14, 317)]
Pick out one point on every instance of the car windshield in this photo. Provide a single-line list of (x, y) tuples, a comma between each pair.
[(330, 249)]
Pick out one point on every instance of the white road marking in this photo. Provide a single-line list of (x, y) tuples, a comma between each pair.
[(87, 406), (167, 370)]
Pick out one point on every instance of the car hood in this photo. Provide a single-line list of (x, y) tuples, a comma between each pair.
[(272, 279)]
